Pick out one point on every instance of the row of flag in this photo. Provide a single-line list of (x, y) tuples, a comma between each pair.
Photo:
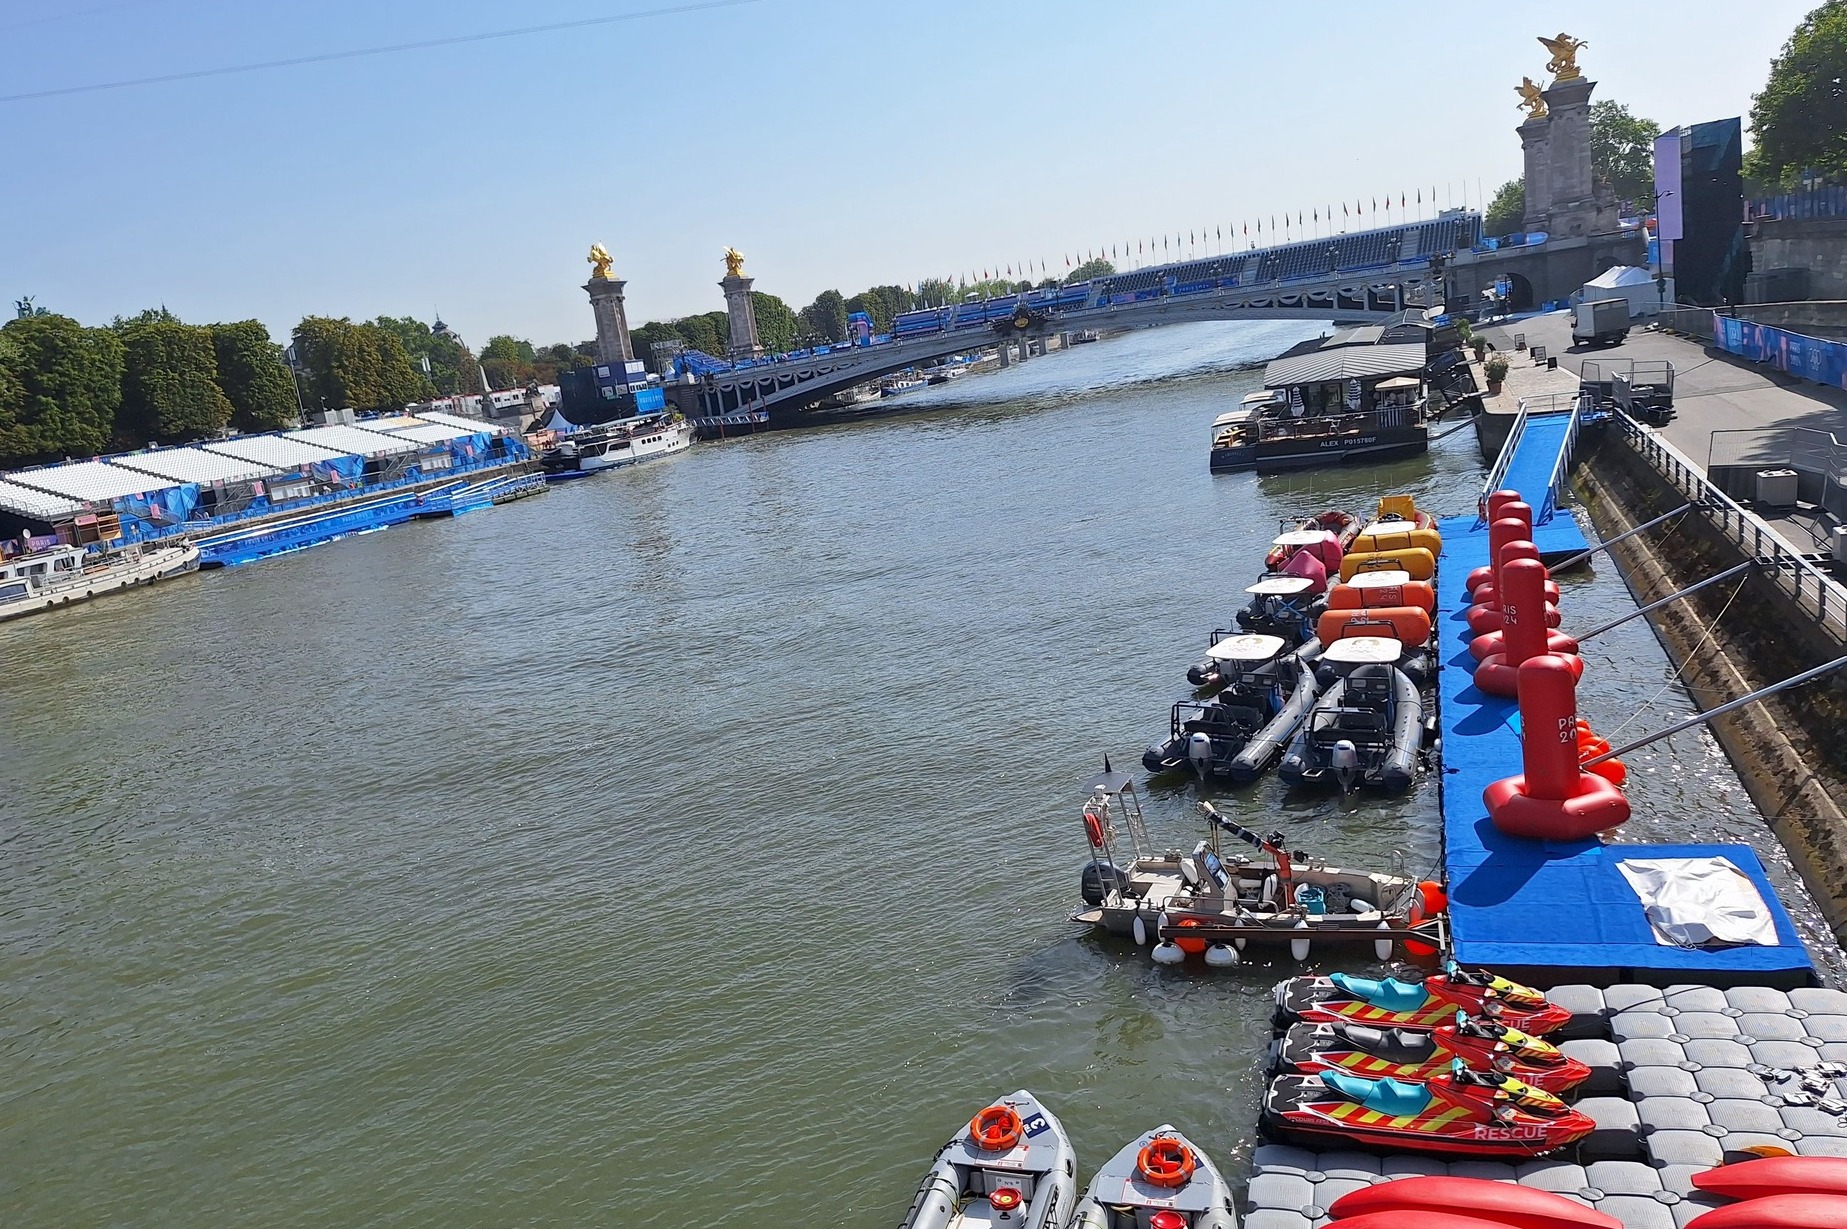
[(1282, 227)]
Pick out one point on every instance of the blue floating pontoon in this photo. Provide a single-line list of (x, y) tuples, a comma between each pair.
[(1557, 913)]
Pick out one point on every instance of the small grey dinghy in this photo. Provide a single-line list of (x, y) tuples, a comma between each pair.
[(1161, 1181), (1012, 1167)]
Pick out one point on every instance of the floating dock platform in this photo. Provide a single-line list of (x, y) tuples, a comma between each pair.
[(1552, 912)]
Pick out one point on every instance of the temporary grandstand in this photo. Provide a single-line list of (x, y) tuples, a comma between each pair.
[(161, 492)]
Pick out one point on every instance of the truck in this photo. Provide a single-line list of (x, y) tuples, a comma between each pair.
[(1600, 322)]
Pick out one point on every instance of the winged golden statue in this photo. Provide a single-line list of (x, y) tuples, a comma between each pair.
[(600, 261), (1564, 62), (1532, 99), (734, 263)]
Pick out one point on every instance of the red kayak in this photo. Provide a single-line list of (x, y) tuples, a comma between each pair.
[(1462, 1113), (1424, 1005), (1418, 1202), (1413, 1054)]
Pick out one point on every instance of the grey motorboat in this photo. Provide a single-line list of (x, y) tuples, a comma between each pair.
[(1011, 1167), (1162, 1180)]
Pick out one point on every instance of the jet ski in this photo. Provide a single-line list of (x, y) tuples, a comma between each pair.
[(1160, 1181), (1012, 1166), (1341, 998), (1412, 1054), (1467, 1113)]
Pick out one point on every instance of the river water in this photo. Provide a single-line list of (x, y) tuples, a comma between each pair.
[(691, 846)]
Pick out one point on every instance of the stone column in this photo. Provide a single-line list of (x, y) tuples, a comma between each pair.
[(612, 340), (1572, 199), (744, 343), (1535, 142)]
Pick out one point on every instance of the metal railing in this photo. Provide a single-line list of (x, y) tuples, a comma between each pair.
[(1695, 322), (1561, 465), (1501, 465), (1812, 589)]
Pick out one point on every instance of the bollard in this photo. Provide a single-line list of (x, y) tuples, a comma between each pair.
[(1485, 615), (1553, 799)]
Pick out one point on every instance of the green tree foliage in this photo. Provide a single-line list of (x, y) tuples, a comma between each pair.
[(453, 369), (882, 303), (826, 317), (643, 339), (60, 385), (1799, 121), (995, 288), (1622, 151), (778, 327), (253, 377), (1506, 213), (361, 366), (170, 390), (1089, 269), (937, 292)]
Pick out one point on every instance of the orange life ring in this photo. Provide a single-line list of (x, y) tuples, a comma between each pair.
[(1165, 1161), (1093, 829), (995, 1129)]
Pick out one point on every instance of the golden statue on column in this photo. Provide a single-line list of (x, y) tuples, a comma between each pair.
[(1564, 62), (599, 262), (734, 263), (1532, 98)]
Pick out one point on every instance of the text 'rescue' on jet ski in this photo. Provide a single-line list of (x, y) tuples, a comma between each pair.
[(1471, 1113)]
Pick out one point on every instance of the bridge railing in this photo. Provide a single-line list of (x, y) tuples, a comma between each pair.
[(1812, 589), (1498, 472), (1561, 465)]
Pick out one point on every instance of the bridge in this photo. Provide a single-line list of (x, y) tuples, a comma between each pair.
[(1358, 277)]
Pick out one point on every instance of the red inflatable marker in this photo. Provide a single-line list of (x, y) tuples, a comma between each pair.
[(1525, 635), (1777, 1212), (1554, 799), (1507, 1204), (1777, 1175), (1490, 512)]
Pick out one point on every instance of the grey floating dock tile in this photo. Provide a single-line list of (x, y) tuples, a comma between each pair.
[(1678, 1178), (1623, 1177), (1709, 1052), (1736, 1142), (1605, 1065), (1777, 1026), (1616, 1137), (1410, 1165), (1810, 1121), (1281, 1158), (1327, 1192), (1740, 1115), (1492, 1171), (1706, 1024), (1695, 998), (1758, 1000), (1833, 1051), (1631, 1025), (1363, 1166), (1626, 998), (1684, 1148), (1638, 1211), (1653, 1052), (1275, 1218), (1819, 1001), (1819, 1145), (1792, 1054), (1663, 1081), (1697, 1204), (1578, 1000), (1827, 1028), (1559, 1177), (1729, 1082), (1671, 1114), (1288, 1192)]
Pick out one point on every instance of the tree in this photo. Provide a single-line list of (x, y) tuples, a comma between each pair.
[(253, 376), (778, 327), (1799, 121), (936, 292), (1088, 270), (827, 316), (361, 366), (643, 339), (1506, 213), (452, 368), (1622, 151), (882, 303), (60, 391), (170, 387)]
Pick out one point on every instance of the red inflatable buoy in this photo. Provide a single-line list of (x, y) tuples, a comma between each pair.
[(1554, 799), (1502, 1203)]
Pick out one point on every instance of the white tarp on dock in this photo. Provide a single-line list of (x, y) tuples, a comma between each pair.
[(1691, 902)]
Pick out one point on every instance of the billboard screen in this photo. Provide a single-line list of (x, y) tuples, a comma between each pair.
[(1710, 259)]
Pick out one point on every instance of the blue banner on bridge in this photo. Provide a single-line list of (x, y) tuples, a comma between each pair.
[(1824, 362)]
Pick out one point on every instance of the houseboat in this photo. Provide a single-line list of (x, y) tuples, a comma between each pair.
[(57, 575), (614, 445), (1350, 403)]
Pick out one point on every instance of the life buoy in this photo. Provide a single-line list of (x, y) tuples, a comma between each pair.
[(1093, 829), (1192, 947), (995, 1129), (1165, 1161)]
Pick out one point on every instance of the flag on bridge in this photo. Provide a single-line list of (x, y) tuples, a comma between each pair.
[(1343, 209)]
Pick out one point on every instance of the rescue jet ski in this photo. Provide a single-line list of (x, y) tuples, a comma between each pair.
[(1341, 998), (1413, 1054), (1462, 1112), (1012, 1167), (1160, 1181)]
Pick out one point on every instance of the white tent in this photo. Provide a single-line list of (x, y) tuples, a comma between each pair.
[(1631, 283)]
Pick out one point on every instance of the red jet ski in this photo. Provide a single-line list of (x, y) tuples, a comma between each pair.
[(1423, 1005), (1409, 1054), (1466, 1113)]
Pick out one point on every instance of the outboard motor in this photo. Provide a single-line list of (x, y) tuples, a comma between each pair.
[(1199, 752), (1099, 879), (1345, 761)]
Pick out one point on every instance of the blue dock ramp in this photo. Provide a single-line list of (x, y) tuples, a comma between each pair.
[(1546, 912), (1536, 461)]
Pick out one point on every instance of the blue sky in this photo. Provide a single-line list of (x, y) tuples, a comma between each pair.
[(837, 144)]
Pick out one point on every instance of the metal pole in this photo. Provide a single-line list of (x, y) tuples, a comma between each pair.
[(1575, 560), (1672, 597), (1720, 711)]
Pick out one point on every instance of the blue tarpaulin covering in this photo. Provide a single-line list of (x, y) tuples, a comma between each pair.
[(1559, 907)]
